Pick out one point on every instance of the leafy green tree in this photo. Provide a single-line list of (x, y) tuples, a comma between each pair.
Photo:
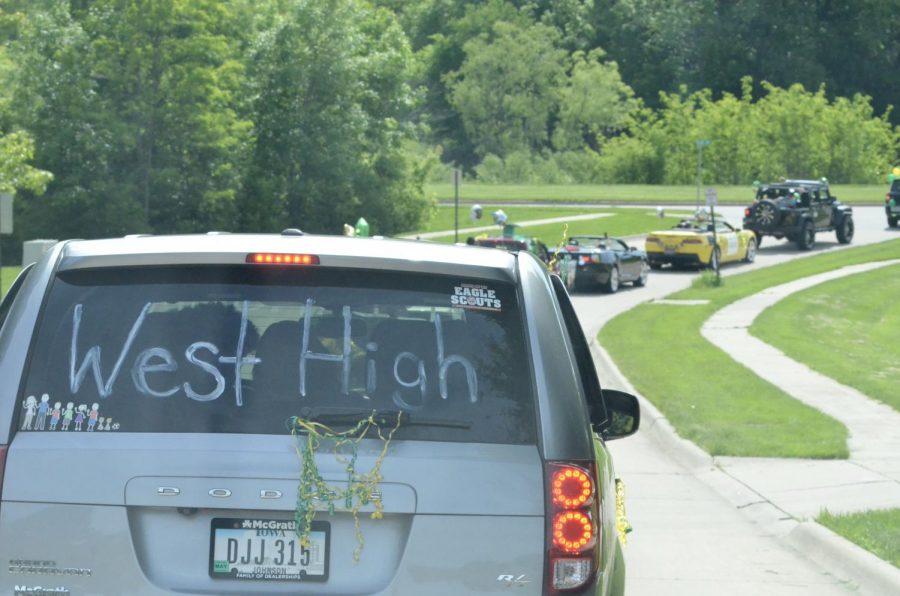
[(16, 146), (56, 100), (650, 40), (16, 151), (330, 82), (571, 17), (170, 74), (508, 88), (439, 44), (851, 47), (861, 50), (132, 104), (786, 132), (593, 102)]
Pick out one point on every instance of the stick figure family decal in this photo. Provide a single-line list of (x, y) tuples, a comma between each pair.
[(36, 413)]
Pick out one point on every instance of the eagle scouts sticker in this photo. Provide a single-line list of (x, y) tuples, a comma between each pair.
[(476, 297)]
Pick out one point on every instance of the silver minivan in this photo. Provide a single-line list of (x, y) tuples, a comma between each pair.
[(299, 414)]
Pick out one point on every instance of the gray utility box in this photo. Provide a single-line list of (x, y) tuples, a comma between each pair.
[(32, 250)]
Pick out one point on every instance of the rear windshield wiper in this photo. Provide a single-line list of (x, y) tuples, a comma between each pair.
[(386, 419)]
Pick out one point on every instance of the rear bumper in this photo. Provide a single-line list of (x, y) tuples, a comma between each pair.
[(99, 550), (591, 275), (763, 231), (680, 259)]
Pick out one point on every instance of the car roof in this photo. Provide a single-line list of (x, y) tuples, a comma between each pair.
[(334, 251)]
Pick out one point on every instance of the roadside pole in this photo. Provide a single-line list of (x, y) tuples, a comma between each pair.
[(701, 143), (457, 174), (712, 199)]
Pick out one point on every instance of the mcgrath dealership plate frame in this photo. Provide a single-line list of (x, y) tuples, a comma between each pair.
[(266, 550)]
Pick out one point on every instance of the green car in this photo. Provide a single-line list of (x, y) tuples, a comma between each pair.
[(509, 240), (892, 203)]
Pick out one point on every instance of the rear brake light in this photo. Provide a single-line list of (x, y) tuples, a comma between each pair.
[(573, 518), (571, 487), (268, 258), (573, 531), (747, 212)]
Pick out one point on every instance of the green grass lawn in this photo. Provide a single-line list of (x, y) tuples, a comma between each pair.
[(732, 412), (620, 222), (858, 194), (875, 531), (9, 276), (842, 332)]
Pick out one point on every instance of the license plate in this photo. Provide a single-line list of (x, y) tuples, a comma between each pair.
[(267, 549)]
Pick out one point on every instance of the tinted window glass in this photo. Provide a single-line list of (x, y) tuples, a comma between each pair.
[(242, 349), (585, 360)]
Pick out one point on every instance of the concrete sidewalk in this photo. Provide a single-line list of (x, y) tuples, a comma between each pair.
[(784, 495), (871, 477)]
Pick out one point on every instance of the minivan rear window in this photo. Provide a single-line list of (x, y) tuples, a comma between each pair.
[(242, 349)]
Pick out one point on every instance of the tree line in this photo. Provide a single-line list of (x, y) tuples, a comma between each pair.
[(160, 116)]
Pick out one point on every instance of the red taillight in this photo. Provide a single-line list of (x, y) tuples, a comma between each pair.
[(571, 487), (747, 212), (585, 259), (269, 258), (573, 531), (573, 519)]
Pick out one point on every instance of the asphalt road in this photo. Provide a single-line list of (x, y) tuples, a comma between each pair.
[(689, 538)]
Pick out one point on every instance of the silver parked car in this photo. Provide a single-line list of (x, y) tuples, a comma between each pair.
[(274, 414)]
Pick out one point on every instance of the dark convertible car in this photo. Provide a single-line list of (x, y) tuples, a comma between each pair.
[(591, 262)]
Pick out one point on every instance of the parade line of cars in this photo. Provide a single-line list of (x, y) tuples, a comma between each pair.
[(792, 209)]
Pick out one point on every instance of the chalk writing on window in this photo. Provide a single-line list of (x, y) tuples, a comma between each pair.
[(207, 357)]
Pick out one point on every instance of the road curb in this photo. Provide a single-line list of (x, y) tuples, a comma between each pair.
[(653, 422), (839, 555)]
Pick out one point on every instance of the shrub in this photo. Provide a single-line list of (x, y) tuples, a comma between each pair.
[(631, 160)]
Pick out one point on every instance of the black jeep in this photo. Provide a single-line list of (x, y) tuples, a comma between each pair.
[(796, 210)]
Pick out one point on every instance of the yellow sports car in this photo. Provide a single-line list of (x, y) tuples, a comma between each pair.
[(691, 244)]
